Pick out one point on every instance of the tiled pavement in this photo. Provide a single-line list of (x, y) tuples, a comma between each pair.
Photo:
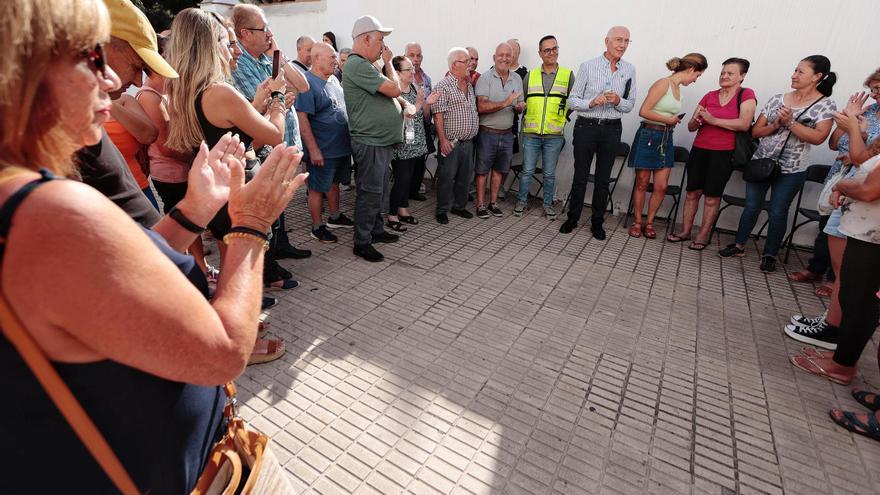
[(499, 356)]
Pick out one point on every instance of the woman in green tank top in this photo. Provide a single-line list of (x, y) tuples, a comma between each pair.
[(653, 151)]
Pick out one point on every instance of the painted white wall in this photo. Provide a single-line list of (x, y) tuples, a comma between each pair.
[(772, 35)]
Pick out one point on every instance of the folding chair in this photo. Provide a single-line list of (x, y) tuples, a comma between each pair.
[(517, 171), (740, 202), (816, 174), (623, 153), (681, 156)]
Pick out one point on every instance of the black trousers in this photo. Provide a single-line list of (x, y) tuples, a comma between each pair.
[(416, 176), (820, 262), (402, 171), (592, 140), (859, 282)]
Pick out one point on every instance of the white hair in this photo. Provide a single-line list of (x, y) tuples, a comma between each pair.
[(450, 58)]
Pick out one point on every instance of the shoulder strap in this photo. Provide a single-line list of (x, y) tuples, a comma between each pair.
[(7, 211), (796, 118), (63, 398), (739, 100)]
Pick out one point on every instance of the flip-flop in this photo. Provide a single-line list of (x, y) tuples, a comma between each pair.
[(824, 291), (862, 397), (809, 365), (676, 238), (848, 420), (408, 219), (812, 352), (697, 246), (274, 350)]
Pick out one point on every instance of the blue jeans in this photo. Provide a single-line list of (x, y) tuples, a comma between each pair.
[(783, 189), (548, 149)]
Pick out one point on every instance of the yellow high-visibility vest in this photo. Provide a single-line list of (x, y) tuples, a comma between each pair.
[(546, 114)]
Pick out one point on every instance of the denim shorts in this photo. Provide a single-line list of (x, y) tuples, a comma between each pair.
[(335, 170), (831, 228), (652, 149), (494, 152)]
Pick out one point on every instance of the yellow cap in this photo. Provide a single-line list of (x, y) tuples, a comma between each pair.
[(130, 24)]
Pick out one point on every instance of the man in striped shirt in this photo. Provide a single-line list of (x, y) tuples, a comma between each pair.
[(604, 90)]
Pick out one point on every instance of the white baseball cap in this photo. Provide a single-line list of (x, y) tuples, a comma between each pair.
[(366, 24)]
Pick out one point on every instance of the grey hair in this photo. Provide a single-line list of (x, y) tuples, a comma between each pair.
[(302, 41), (451, 56), (344, 50), (411, 43)]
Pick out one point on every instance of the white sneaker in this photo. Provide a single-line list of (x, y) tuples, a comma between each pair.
[(518, 210), (550, 213)]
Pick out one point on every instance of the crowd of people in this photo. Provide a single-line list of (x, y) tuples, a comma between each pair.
[(217, 134)]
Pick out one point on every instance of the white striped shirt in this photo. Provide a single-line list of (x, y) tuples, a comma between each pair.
[(592, 79)]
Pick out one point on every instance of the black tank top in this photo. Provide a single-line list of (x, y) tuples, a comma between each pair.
[(213, 133), (161, 430)]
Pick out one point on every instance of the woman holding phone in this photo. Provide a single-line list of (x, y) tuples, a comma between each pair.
[(787, 125), (653, 151)]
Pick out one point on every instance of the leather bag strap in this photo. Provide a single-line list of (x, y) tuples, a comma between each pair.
[(63, 398)]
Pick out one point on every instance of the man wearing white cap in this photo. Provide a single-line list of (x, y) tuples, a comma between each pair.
[(376, 124)]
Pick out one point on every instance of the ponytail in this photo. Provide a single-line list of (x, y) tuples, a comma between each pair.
[(822, 65)]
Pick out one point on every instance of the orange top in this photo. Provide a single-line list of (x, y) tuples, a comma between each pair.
[(129, 147)]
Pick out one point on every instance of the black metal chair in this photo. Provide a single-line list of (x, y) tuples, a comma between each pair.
[(517, 171), (681, 156), (816, 174), (728, 200), (623, 153)]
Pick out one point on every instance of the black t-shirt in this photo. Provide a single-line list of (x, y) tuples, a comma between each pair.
[(102, 167)]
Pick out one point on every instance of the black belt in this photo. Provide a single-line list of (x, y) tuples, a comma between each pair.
[(592, 121)]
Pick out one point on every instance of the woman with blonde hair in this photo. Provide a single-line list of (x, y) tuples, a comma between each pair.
[(653, 150), (203, 105), (144, 360)]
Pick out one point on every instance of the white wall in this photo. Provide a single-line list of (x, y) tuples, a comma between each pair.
[(772, 35)]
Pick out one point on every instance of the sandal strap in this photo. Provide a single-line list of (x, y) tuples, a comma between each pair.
[(871, 428)]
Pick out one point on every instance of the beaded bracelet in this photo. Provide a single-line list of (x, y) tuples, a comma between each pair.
[(244, 235)]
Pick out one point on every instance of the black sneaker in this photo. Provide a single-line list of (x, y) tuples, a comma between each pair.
[(341, 222), (463, 213), (442, 218), (482, 212), (385, 237), (821, 335), (732, 250), (768, 264), (495, 210), (368, 252), (567, 227), (808, 321), (323, 234), (291, 252), (268, 302)]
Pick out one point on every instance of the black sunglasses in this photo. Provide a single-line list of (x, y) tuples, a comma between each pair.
[(95, 57)]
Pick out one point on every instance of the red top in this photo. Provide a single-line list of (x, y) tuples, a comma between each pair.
[(711, 137), (128, 146)]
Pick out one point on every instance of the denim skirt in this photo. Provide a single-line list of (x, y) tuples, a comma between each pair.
[(652, 149)]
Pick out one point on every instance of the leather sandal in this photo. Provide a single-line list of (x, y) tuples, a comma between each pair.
[(635, 230), (650, 233), (396, 226), (862, 396), (408, 219), (677, 238), (274, 349), (850, 421), (804, 276)]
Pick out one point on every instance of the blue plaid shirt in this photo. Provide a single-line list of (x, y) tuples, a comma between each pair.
[(248, 75)]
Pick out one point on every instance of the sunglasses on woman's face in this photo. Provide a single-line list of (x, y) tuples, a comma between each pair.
[(96, 59)]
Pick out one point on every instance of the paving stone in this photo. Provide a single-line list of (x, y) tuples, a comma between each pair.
[(500, 356)]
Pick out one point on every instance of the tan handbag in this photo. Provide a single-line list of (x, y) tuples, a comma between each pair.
[(241, 462)]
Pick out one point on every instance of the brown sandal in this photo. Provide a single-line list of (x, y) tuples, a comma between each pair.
[(635, 230), (274, 349), (650, 233)]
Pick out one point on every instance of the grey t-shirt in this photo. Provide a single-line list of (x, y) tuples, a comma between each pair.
[(491, 86), (792, 158)]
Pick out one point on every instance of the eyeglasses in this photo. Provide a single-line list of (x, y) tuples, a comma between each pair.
[(406, 70), (265, 29), (621, 40), (461, 61), (95, 58), (548, 51)]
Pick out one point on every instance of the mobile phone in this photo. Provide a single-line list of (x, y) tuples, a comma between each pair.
[(276, 63), (681, 116)]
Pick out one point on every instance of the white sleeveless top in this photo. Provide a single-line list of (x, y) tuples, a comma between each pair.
[(861, 219)]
